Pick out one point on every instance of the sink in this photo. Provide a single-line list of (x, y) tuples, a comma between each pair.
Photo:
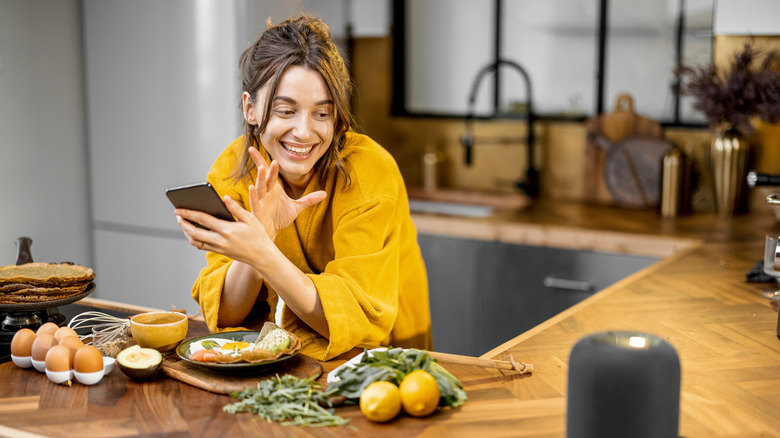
[(454, 202), (450, 208)]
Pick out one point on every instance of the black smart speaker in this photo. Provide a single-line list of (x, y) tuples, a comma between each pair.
[(623, 384), (778, 326)]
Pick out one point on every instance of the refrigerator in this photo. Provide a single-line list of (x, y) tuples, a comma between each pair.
[(162, 101)]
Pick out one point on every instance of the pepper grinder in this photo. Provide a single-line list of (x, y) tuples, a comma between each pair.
[(23, 254), (431, 162), (675, 187)]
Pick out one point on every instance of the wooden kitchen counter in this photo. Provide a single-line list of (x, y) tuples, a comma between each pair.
[(696, 298)]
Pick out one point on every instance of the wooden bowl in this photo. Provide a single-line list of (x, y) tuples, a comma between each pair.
[(162, 330)]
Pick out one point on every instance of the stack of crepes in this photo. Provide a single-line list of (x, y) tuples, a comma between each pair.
[(39, 282)]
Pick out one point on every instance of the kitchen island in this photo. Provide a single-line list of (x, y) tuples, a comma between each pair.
[(696, 297)]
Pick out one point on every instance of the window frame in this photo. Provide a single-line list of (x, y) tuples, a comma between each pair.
[(399, 85)]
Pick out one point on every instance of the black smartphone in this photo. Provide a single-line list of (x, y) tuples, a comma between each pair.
[(201, 197)]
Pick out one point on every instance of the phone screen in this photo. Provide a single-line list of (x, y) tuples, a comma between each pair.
[(201, 197)]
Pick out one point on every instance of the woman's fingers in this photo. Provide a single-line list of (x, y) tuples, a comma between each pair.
[(195, 218), (266, 175), (254, 200), (256, 157), (273, 174), (311, 199), (195, 235), (236, 210)]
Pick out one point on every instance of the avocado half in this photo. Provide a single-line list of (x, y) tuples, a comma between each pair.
[(139, 363)]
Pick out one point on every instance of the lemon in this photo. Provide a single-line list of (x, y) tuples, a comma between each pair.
[(419, 393), (380, 401)]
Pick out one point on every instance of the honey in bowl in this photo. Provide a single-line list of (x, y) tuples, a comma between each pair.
[(162, 331)]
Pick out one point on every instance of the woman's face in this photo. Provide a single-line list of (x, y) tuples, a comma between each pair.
[(301, 124)]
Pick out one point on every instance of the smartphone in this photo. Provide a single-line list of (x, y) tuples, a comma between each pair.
[(201, 197)]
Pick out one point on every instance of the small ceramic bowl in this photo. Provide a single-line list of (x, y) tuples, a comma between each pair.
[(162, 331), (39, 365), (59, 376), (23, 361), (89, 378), (108, 364), (110, 338)]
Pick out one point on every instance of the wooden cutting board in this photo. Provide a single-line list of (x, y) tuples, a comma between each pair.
[(300, 366), (620, 124)]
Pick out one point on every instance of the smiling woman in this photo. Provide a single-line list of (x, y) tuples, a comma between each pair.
[(322, 215), (299, 128)]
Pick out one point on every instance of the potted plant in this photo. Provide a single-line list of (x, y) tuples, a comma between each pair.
[(731, 100)]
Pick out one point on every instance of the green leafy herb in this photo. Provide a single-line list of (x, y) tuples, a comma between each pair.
[(289, 400), (209, 344), (393, 365)]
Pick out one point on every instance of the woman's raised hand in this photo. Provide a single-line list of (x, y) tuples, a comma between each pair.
[(268, 200)]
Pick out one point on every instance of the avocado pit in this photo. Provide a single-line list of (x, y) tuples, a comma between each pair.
[(139, 363)]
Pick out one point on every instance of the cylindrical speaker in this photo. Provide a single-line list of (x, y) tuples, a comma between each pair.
[(778, 326), (623, 384)]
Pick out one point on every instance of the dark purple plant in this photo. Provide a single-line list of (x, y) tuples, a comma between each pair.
[(750, 88)]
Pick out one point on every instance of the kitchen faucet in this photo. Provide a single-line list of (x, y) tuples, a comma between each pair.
[(531, 183)]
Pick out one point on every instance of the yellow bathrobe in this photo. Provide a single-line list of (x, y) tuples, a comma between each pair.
[(359, 247)]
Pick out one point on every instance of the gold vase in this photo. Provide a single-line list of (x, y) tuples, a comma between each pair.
[(729, 155)]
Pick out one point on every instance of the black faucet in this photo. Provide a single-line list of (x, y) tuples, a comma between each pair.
[(531, 183)]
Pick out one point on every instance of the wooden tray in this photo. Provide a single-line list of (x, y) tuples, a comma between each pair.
[(300, 366), (622, 123)]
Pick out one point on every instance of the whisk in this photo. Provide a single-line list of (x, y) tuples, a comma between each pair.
[(115, 326)]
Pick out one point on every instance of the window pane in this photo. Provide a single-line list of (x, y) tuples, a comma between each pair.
[(641, 54), (443, 56), (697, 49), (555, 41)]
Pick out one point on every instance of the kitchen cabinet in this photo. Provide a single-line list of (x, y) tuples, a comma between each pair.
[(451, 264), (485, 293)]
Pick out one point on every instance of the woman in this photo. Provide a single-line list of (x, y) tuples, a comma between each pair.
[(322, 215)]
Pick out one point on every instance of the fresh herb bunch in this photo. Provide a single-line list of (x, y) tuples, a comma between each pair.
[(289, 400), (750, 88), (393, 365)]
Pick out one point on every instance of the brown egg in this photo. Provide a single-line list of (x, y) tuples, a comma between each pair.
[(58, 358), (41, 346), (88, 360), (21, 344), (64, 331), (48, 328), (73, 343)]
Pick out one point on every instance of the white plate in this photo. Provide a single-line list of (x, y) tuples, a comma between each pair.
[(351, 363)]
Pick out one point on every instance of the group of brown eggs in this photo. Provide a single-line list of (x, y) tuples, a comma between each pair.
[(58, 352)]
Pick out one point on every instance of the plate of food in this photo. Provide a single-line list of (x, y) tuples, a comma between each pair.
[(240, 351)]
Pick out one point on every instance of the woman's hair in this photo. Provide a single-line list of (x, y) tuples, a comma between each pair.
[(306, 42)]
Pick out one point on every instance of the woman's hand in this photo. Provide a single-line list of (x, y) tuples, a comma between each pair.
[(268, 200), (247, 239), (244, 240)]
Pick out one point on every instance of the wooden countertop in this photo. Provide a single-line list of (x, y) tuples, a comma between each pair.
[(696, 298)]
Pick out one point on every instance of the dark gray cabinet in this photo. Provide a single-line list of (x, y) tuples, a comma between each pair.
[(485, 293), (452, 266)]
